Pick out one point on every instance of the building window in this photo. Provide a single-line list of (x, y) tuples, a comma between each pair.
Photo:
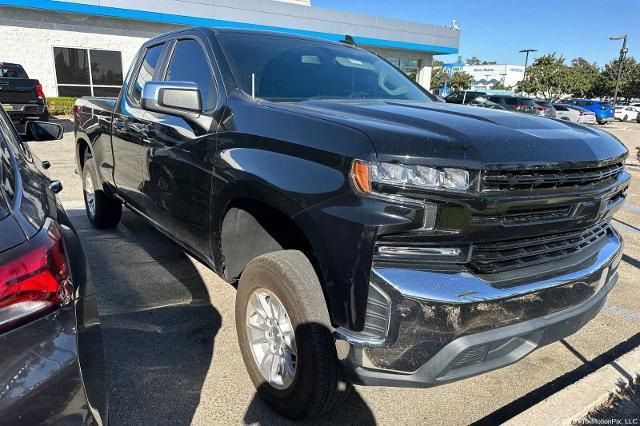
[(87, 72), (410, 67)]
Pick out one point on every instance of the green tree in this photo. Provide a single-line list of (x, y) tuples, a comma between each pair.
[(475, 61), (437, 75), (629, 80), (460, 80), (631, 88), (548, 77), (499, 86), (584, 77)]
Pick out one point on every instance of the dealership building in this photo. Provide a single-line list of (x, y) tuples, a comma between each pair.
[(483, 77), (84, 47)]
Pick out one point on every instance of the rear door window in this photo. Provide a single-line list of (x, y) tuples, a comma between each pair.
[(146, 71), (511, 101)]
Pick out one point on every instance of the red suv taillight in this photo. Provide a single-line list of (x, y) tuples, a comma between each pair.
[(34, 278), (40, 91), (542, 109)]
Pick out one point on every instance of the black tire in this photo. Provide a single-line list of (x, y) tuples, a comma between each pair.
[(318, 384), (625, 118), (107, 210)]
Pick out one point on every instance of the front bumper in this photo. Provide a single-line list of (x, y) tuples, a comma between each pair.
[(442, 327)]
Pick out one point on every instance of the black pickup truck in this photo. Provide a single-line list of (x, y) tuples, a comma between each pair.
[(21, 97), (376, 236)]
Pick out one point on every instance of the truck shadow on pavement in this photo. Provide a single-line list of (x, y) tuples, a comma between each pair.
[(158, 323), (159, 328), (353, 411)]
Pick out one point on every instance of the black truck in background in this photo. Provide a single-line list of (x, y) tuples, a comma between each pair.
[(21, 97), (376, 236)]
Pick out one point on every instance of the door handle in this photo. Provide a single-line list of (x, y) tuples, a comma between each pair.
[(118, 123)]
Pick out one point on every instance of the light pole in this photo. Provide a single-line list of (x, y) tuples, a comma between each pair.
[(526, 60), (623, 52)]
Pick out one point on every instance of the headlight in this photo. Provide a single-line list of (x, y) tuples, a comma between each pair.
[(368, 175)]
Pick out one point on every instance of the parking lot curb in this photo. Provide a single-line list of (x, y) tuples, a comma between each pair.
[(574, 402)]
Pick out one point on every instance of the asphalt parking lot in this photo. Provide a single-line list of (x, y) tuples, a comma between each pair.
[(171, 349)]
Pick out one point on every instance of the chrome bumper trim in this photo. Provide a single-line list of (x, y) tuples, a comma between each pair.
[(464, 290)]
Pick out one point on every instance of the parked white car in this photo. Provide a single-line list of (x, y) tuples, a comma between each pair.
[(574, 113), (626, 113)]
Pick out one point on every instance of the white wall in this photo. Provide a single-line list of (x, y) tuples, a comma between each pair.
[(33, 49), (27, 37)]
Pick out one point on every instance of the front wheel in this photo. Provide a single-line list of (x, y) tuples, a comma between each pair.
[(284, 335), (103, 211)]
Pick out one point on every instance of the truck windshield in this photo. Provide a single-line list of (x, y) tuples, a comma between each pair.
[(12, 71), (292, 69)]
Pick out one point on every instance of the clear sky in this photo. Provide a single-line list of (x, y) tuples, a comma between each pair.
[(496, 29)]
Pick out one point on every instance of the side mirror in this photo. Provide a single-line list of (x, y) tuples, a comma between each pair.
[(178, 98), (40, 131)]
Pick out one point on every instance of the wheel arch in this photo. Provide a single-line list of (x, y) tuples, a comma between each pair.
[(250, 226), (82, 146)]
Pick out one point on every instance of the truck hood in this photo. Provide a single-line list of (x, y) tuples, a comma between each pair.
[(457, 135)]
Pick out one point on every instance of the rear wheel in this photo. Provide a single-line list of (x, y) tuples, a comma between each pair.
[(103, 211), (625, 118), (284, 335)]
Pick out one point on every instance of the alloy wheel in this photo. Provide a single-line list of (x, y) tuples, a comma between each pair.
[(271, 338)]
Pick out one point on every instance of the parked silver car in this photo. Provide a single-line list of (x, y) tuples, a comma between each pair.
[(575, 114), (545, 109)]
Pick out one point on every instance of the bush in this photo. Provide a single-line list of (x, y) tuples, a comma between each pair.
[(60, 106)]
